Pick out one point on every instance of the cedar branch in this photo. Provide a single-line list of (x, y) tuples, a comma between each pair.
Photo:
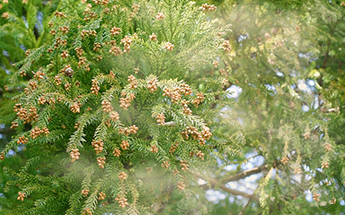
[(244, 174), (226, 189)]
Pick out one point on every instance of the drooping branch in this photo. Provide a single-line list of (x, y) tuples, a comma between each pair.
[(331, 110), (244, 174), (159, 206), (5, 130), (13, 90), (214, 182)]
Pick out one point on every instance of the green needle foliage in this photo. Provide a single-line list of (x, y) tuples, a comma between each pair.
[(115, 96), (123, 106), (20, 29)]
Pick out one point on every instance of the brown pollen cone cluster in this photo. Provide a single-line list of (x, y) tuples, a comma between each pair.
[(165, 164), (122, 201), (207, 8), (160, 16), (101, 196), (89, 15), (14, 125), (135, 8), (37, 132), (316, 197), (285, 160), (152, 85), (95, 88), (205, 134), (122, 176), (22, 140), (82, 62), (60, 14), (22, 73), (200, 155), (154, 148), (133, 82), (184, 165), (75, 108), (226, 46), (79, 51), (175, 96), (85, 192), (64, 29), (173, 148), (39, 75), (114, 116), (101, 161), (106, 106), (33, 85), (215, 63), (117, 152), (5, 15), (160, 118), (64, 54), (68, 86), (21, 196), (169, 46), (128, 130), (96, 47), (126, 41), (57, 80), (328, 147), (181, 186), (153, 37), (74, 154), (126, 102), (325, 165), (87, 211), (98, 145), (115, 51), (149, 169), (124, 144), (85, 33), (175, 172), (24, 115), (200, 97), (115, 31)]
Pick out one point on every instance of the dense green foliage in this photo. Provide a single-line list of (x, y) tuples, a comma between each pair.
[(80, 98), (124, 106)]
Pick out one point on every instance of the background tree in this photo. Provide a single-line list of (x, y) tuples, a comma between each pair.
[(283, 106)]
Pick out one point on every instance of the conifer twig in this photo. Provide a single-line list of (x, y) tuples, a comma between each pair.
[(249, 201), (158, 207), (168, 124), (245, 207)]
